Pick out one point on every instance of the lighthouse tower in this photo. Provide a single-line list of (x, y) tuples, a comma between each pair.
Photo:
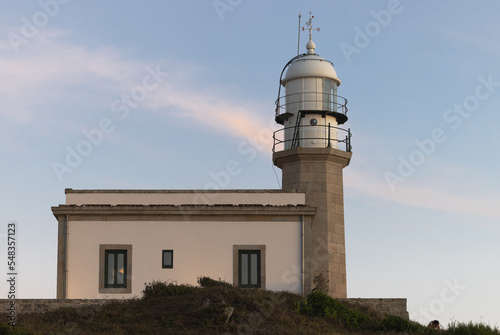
[(312, 149)]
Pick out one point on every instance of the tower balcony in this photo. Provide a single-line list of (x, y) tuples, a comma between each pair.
[(326, 103), (312, 136)]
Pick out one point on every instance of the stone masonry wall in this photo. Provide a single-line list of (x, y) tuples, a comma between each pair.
[(395, 306), (44, 305), (318, 173), (390, 306)]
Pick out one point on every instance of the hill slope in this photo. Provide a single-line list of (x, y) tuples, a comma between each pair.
[(220, 308)]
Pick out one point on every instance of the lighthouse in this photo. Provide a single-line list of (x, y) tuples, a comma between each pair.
[(312, 148)]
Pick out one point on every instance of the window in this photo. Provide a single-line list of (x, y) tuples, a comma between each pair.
[(249, 266), (167, 259), (329, 95), (115, 268)]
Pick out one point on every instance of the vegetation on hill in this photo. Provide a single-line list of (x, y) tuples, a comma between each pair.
[(216, 307)]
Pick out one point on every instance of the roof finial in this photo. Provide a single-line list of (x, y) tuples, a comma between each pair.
[(310, 45)]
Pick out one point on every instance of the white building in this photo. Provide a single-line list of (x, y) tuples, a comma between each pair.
[(112, 242)]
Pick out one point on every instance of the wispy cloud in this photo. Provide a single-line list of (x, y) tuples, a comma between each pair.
[(424, 195), (52, 70), (58, 68), (236, 119)]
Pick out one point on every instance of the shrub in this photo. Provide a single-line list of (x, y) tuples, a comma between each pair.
[(396, 323), (6, 329), (321, 305), (209, 282), (163, 289)]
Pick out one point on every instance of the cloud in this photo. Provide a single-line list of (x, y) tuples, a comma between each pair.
[(50, 70), (428, 196), (217, 112)]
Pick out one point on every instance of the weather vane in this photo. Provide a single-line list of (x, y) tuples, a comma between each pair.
[(309, 27)]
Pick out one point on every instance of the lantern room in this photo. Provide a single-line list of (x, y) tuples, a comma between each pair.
[(310, 110)]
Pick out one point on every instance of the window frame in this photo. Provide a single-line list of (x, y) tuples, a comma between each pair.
[(261, 269), (166, 266), (116, 253), (249, 271), (104, 288)]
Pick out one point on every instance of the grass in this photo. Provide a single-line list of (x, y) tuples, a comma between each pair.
[(188, 310)]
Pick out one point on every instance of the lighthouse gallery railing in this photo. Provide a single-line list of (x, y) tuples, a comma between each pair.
[(312, 100), (333, 137)]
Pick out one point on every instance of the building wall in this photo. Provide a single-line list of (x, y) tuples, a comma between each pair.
[(201, 248)]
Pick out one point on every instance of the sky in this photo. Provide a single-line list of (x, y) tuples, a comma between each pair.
[(165, 94)]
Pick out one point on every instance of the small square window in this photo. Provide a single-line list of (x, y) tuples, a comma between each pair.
[(167, 259)]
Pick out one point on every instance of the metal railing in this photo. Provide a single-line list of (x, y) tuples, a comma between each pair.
[(311, 100), (330, 137)]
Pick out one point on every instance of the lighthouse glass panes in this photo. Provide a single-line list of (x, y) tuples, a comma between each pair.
[(329, 95), (306, 100), (249, 268), (116, 268)]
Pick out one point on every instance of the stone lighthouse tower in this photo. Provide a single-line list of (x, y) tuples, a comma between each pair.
[(312, 150)]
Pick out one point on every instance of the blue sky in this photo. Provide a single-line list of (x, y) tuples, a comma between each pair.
[(423, 84)]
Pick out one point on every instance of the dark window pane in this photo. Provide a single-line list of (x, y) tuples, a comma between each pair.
[(167, 261), (253, 269), (244, 269), (167, 258), (120, 268), (111, 269)]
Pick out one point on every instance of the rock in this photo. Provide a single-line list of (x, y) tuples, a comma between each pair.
[(229, 311)]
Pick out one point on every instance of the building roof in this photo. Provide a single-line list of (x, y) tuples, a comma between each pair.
[(223, 212), (183, 197)]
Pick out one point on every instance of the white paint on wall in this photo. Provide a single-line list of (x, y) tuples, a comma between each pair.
[(200, 249)]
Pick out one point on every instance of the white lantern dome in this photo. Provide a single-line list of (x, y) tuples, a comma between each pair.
[(310, 66)]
